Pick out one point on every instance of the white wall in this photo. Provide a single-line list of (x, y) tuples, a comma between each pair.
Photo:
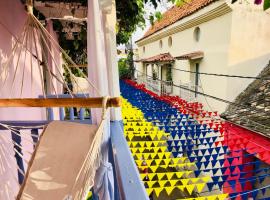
[(214, 42), (249, 49), (250, 33), (237, 42)]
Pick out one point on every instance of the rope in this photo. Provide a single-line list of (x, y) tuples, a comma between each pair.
[(93, 157), (65, 54)]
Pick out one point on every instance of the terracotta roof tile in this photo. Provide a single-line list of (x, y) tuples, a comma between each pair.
[(193, 55), (164, 57), (176, 13)]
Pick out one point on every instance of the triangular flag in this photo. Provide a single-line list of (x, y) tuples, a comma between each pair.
[(190, 188), (200, 187), (169, 190), (149, 191), (158, 191)]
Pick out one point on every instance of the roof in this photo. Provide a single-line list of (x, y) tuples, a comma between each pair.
[(191, 56), (175, 14), (164, 57), (255, 112)]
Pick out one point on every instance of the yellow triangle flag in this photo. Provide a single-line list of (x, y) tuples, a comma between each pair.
[(160, 175), (200, 187), (184, 181), (169, 175), (148, 162), (169, 190), (143, 176), (205, 179), (190, 188), (222, 196), (151, 183), (149, 191), (162, 183), (151, 176), (153, 168), (212, 197), (179, 174), (181, 188), (157, 191), (148, 144), (173, 182)]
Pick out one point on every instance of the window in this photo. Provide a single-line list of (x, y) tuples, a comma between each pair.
[(143, 49), (170, 41), (197, 34), (160, 44)]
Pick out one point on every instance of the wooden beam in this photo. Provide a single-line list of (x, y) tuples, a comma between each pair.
[(78, 65), (60, 102)]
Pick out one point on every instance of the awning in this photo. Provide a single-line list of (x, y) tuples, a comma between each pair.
[(164, 57), (191, 56)]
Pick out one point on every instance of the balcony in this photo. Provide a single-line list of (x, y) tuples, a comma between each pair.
[(126, 175)]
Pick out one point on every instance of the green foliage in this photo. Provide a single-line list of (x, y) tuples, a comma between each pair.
[(77, 48), (266, 4), (124, 71)]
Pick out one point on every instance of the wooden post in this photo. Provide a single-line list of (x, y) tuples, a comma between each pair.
[(111, 58)]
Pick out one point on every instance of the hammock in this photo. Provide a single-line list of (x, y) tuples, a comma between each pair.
[(65, 159)]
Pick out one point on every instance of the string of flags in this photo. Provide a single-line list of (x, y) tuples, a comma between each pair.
[(159, 170), (201, 138)]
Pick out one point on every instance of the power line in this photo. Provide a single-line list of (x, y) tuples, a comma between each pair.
[(207, 95), (223, 75), (201, 93)]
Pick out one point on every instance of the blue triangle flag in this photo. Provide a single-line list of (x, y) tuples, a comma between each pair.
[(197, 173), (214, 162), (220, 184), (203, 151), (230, 160), (263, 191), (215, 179), (215, 171), (221, 162), (199, 165), (232, 183), (210, 186), (206, 163), (254, 194), (243, 174), (232, 168), (224, 177), (243, 183), (207, 157), (240, 167), (215, 157), (261, 178), (223, 169)]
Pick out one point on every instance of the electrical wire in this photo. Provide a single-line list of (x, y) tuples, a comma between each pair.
[(211, 96), (223, 75)]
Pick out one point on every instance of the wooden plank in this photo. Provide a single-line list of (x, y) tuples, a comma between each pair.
[(78, 65), (59, 102)]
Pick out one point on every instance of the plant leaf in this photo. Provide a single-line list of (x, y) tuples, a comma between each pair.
[(266, 4)]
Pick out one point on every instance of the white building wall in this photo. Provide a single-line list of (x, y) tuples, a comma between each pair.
[(249, 49), (214, 42), (237, 43)]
